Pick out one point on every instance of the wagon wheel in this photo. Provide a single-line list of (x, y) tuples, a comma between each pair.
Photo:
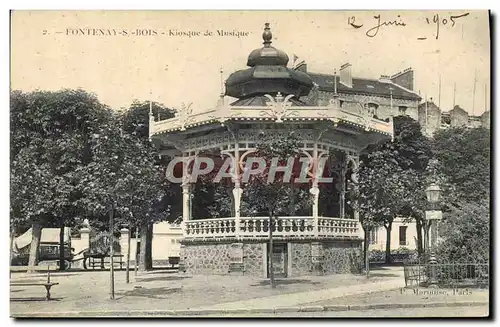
[(67, 264)]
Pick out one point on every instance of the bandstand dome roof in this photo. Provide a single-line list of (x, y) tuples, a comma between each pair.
[(267, 55), (267, 74), (267, 92)]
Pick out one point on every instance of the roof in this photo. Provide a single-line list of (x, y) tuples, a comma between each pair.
[(363, 86), (261, 100), (486, 113), (457, 108), (430, 105)]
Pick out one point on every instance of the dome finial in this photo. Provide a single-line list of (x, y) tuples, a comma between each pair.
[(267, 35)]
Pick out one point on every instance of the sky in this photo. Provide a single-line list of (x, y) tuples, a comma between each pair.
[(96, 51)]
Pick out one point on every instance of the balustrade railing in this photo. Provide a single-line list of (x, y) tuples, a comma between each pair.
[(337, 227), (258, 227), (285, 226), (206, 228)]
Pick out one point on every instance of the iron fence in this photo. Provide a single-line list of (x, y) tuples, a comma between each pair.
[(468, 274)]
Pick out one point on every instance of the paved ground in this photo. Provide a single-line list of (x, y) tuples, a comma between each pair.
[(453, 312), (404, 295), (166, 290), (157, 293)]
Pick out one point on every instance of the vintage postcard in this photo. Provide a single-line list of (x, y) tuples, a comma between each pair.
[(250, 164)]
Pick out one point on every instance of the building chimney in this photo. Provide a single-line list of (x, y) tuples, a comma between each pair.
[(345, 75), (404, 78)]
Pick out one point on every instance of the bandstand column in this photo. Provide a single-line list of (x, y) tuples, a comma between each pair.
[(186, 195), (355, 179), (237, 189), (343, 170), (315, 189)]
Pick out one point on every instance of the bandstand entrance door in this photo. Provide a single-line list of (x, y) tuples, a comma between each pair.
[(280, 260)]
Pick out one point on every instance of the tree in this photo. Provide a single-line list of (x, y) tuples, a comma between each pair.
[(136, 123), (387, 178), (49, 142), (379, 193), (464, 160), (123, 179), (272, 197), (463, 156), (465, 232)]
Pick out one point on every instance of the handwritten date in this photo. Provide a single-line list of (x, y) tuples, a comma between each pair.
[(372, 32), (379, 23), (437, 20)]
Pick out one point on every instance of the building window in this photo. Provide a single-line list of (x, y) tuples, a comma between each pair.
[(402, 235), (402, 110)]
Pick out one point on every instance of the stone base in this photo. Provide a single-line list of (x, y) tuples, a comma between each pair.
[(301, 257)]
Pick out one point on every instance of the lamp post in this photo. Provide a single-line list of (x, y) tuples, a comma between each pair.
[(433, 216)]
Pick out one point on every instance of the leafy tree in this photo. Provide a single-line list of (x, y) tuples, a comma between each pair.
[(135, 122), (379, 192), (463, 156), (387, 178), (464, 160), (274, 197), (464, 233), (123, 180), (49, 140)]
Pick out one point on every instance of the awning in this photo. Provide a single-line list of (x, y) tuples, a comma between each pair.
[(49, 235)]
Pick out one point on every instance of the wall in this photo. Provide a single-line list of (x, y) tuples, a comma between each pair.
[(341, 257), (381, 236), (254, 257), (432, 123), (337, 257), (301, 259), (459, 117), (485, 120), (166, 241), (206, 258)]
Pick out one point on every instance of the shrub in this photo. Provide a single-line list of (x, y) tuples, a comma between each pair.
[(399, 255), (464, 234)]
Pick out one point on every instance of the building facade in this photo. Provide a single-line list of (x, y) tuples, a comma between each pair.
[(403, 235), (433, 119), (383, 98)]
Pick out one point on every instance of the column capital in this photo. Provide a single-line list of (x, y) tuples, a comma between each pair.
[(186, 187)]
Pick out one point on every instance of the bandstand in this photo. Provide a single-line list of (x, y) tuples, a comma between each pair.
[(326, 238)]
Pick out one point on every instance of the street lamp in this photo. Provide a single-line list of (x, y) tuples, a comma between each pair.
[(433, 216), (433, 193)]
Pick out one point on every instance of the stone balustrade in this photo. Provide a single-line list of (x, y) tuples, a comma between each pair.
[(258, 227), (210, 228), (328, 227)]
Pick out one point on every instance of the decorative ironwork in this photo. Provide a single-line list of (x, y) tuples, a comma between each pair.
[(417, 273), (279, 107), (184, 115)]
